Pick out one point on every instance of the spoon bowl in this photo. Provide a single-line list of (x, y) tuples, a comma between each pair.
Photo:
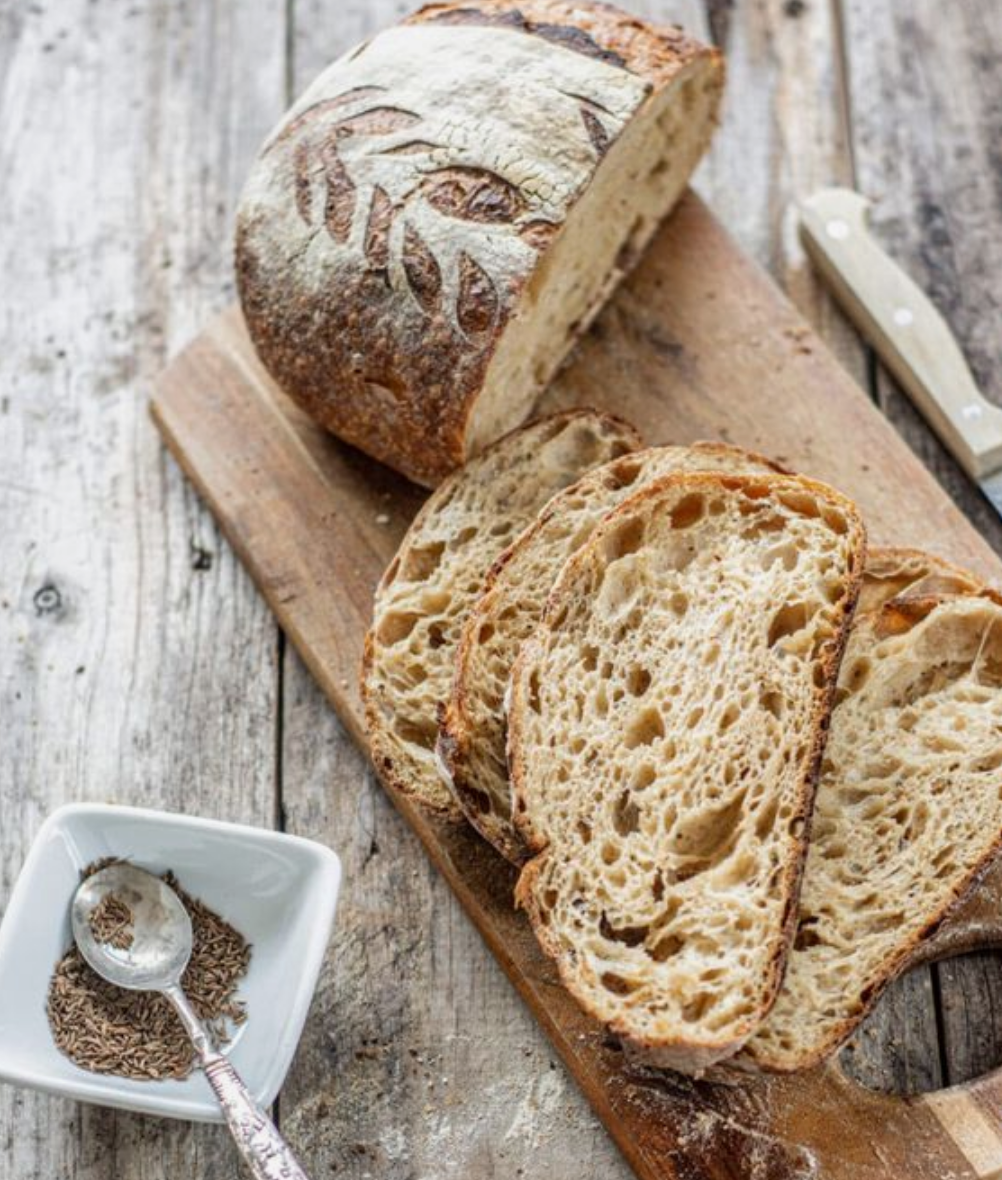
[(161, 929)]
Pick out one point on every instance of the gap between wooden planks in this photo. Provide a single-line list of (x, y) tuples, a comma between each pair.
[(698, 344)]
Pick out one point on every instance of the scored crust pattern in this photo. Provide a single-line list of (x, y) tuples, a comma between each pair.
[(395, 224)]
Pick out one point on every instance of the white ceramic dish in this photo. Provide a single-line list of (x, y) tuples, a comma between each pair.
[(279, 891)]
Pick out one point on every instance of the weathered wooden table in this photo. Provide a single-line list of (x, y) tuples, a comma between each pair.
[(137, 663)]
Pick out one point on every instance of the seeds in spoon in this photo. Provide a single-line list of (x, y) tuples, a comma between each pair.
[(110, 922), (106, 1029)]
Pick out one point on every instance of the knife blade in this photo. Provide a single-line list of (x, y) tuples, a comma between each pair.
[(907, 332)]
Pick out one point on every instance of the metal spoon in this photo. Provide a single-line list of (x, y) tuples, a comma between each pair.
[(155, 961)]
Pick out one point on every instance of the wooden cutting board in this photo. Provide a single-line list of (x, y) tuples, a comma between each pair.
[(698, 344)]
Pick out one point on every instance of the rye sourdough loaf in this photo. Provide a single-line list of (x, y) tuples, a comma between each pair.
[(440, 215), (474, 730), (667, 720), (908, 815), (438, 572)]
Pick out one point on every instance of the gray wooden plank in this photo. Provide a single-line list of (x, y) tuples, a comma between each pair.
[(136, 662), (927, 90)]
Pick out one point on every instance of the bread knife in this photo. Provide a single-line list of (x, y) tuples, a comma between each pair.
[(907, 332)]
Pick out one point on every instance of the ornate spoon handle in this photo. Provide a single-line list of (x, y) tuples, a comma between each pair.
[(264, 1150)]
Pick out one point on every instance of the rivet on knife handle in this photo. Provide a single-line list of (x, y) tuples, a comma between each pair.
[(910, 336)]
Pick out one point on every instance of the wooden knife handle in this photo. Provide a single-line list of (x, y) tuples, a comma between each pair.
[(910, 336)]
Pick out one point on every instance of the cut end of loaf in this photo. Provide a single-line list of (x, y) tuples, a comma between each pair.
[(666, 724), (641, 177)]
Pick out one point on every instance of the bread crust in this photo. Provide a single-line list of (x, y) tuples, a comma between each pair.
[(692, 1055), (381, 748), (457, 732), (375, 330)]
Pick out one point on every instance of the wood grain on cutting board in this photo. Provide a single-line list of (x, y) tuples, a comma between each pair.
[(697, 344)]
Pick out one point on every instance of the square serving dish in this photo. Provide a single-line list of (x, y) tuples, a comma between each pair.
[(279, 891)]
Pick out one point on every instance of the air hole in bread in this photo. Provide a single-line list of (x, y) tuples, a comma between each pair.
[(626, 473), (762, 525), (638, 680), (679, 604), (772, 702), (807, 935), (837, 522), (807, 505), (645, 729), (617, 984), (688, 511), (658, 886), (666, 947), (422, 561), (728, 717), (625, 539), (435, 602), (627, 935), (619, 587), (695, 717), (788, 620), (417, 733), (534, 699), (396, 626), (584, 831), (643, 776), (625, 815), (705, 839), (786, 555), (696, 1009)]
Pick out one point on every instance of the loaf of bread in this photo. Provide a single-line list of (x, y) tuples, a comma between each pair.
[(474, 731), (438, 572), (444, 210), (667, 719), (908, 814)]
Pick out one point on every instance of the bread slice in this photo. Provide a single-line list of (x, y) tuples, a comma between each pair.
[(893, 572), (907, 818), (666, 723), (438, 573), (474, 731), (421, 240)]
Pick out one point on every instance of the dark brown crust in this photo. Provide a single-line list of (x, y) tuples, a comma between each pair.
[(599, 30), (702, 1053), (457, 731), (381, 758), (403, 390), (897, 617)]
